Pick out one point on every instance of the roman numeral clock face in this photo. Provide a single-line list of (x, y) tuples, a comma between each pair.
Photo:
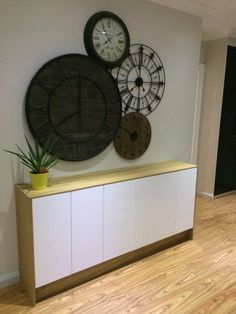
[(106, 38), (74, 102), (141, 80)]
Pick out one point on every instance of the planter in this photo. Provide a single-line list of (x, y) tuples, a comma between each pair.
[(39, 181)]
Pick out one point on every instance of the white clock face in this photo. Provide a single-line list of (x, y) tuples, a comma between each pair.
[(109, 39)]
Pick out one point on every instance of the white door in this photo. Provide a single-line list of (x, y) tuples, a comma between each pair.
[(154, 205), (52, 238), (117, 219), (87, 228), (186, 199)]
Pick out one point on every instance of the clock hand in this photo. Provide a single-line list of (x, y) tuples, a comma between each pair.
[(66, 118), (132, 135), (126, 129), (133, 88), (138, 104)]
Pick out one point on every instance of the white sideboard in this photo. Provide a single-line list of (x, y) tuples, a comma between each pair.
[(84, 226)]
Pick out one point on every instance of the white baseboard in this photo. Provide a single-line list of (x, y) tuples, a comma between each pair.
[(207, 195), (9, 279)]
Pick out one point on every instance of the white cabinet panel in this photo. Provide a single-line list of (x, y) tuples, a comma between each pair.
[(87, 228), (186, 199), (52, 238), (154, 205), (117, 219)]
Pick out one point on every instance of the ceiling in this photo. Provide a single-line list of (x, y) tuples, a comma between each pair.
[(218, 16)]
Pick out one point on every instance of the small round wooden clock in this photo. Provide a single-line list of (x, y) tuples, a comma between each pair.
[(74, 102), (134, 136), (106, 38), (141, 80)]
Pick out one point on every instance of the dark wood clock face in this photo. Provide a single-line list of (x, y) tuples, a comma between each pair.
[(106, 38), (141, 80), (134, 136), (74, 102)]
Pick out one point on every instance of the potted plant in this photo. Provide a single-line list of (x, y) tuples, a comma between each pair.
[(39, 161)]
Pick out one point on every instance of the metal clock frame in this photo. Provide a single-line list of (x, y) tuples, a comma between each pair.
[(141, 80)]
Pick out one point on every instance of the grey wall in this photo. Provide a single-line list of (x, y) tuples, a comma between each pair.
[(32, 32)]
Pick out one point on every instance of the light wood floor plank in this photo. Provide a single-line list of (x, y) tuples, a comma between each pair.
[(198, 276)]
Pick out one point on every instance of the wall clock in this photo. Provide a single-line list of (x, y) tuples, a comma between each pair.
[(134, 136), (106, 38), (141, 80), (75, 103)]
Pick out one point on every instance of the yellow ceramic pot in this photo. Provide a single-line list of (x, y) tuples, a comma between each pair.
[(39, 181)]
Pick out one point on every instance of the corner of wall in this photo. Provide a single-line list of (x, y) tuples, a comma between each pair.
[(215, 61)]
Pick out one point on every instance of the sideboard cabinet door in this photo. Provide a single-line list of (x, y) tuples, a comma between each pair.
[(52, 238), (117, 219), (186, 199), (87, 228), (154, 205)]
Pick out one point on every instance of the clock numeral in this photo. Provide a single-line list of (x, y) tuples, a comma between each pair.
[(45, 88), (130, 100), (98, 145), (123, 68), (109, 23), (108, 128), (97, 46), (153, 72), (59, 145), (141, 57), (124, 91), (118, 49), (95, 38), (152, 93), (129, 65), (132, 60), (155, 95), (120, 41), (44, 130), (38, 109), (103, 25), (161, 83)]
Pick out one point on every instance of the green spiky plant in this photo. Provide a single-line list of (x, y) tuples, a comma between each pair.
[(38, 159)]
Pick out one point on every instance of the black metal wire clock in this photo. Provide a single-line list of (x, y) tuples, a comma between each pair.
[(141, 80)]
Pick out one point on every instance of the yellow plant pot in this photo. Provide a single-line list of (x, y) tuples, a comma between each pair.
[(39, 181)]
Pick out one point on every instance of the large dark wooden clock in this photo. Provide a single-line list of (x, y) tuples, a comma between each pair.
[(134, 136), (74, 102), (141, 80)]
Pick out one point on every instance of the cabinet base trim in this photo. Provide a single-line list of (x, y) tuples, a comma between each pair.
[(110, 265)]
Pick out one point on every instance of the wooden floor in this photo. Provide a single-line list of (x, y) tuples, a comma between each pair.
[(195, 277)]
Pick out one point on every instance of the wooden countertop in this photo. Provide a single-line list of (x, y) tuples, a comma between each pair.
[(72, 183)]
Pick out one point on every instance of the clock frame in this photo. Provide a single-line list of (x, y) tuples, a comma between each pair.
[(141, 80), (106, 38), (74, 102), (133, 136)]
